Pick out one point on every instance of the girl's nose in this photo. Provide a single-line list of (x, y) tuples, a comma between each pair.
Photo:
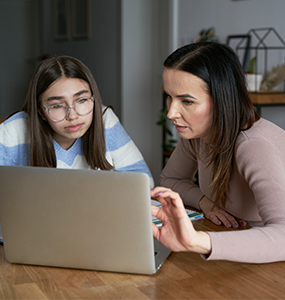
[(72, 114)]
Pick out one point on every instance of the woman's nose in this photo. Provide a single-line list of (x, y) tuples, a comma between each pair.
[(173, 111)]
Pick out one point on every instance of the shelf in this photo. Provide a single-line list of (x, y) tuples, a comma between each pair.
[(267, 98)]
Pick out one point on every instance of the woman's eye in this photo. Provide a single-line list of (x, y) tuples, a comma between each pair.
[(168, 100), (187, 102), (166, 96)]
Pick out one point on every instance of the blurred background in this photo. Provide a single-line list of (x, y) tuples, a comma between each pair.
[(124, 43)]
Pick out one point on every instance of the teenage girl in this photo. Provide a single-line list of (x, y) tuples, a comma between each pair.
[(63, 124)]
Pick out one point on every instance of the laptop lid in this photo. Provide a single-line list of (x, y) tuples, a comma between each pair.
[(86, 219)]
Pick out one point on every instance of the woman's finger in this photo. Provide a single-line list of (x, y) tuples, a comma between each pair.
[(154, 210), (157, 191), (241, 222), (215, 220), (155, 231)]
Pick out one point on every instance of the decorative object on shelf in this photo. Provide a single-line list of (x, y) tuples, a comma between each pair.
[(260, 44), (207, 35), (265, 43), (240, 44), (253, 79), (273, 78)]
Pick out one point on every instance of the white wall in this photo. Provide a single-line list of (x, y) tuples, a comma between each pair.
[(229, 18), (144, 41)]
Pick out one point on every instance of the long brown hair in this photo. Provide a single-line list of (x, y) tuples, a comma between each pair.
[(42, 151), (219, 67)]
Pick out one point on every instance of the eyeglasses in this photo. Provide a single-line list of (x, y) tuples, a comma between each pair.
[(59, 112)]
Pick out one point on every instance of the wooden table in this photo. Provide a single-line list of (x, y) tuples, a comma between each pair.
[(182, 276)]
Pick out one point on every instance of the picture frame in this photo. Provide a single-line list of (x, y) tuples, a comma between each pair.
[(81, 19), (241, 45), (61, 19)]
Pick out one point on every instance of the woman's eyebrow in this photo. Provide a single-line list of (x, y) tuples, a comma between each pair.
[(186, 96)]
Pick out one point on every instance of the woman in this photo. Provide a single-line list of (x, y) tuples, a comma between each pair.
[(240, 159), (63, 124)]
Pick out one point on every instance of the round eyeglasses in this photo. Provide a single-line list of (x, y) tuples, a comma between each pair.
[(59, 112)]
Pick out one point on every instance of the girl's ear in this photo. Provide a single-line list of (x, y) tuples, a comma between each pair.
[(41, 114)]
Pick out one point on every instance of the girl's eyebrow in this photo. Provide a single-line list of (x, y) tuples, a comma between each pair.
[(61, 97), (80, 93)]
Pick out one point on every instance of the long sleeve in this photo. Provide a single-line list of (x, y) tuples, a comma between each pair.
[(122, 153), (261, 162), (256, 192), (14, 141), (179, 173)]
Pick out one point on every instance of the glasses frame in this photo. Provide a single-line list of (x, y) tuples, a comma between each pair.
[(68, 107)]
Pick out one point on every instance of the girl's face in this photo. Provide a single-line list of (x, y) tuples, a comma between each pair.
[(189, 106), (67, 91)]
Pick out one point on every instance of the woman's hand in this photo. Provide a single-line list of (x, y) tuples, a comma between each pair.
[(218, 215), (177, 232)]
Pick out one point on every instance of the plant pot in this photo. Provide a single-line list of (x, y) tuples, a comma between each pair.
[(253, 81)]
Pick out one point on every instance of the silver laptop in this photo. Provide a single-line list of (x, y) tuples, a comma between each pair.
[(85, 219)]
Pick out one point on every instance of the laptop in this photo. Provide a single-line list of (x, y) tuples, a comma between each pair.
[(82, 219)]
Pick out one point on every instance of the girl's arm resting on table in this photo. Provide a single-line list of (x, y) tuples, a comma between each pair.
[(177, 232)]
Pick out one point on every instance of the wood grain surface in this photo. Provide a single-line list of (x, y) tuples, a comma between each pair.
[(182, 276)]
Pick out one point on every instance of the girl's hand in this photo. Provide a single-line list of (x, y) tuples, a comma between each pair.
[(218, 215), (177, 232)]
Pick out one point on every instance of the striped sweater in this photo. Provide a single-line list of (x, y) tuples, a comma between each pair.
[(121, 152)]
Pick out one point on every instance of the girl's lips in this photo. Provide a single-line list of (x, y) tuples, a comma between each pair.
[(74, 128)]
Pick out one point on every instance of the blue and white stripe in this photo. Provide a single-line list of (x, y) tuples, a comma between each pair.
[(121, 152)]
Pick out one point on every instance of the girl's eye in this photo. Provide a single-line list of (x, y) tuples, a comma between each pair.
[(56, 106), (82, 100)]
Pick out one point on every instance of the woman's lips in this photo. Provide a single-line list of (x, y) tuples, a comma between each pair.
[(74, 128), (180, 128)]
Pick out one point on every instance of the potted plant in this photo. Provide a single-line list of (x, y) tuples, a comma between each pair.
[(207, 35), (169, 143), (253, 79)]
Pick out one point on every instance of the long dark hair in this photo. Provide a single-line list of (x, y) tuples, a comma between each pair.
[(219, 67), (41, 142)]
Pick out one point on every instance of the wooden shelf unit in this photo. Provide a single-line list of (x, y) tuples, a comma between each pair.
[(266, 98)]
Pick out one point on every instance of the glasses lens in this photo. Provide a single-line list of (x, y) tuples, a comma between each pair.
[(84, 106), (58, 112)]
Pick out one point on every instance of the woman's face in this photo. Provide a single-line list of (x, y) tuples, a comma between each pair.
[(189, 106), (67, 91)]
